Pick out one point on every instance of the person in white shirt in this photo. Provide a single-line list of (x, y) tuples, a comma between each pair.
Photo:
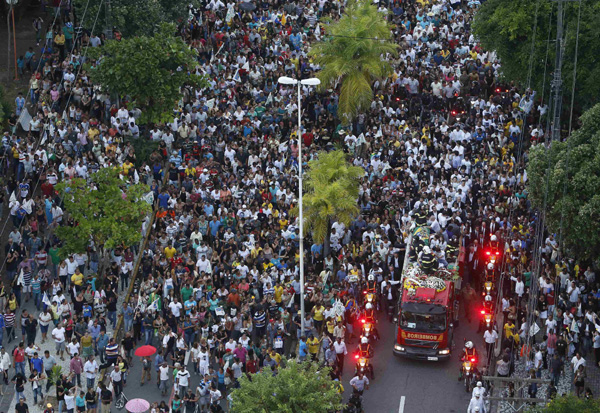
[(360, 383), (577, 361), (183, 380), (163, 372), (490, 337), (91, 369), (58, 334), (175, 307), (476, 405)]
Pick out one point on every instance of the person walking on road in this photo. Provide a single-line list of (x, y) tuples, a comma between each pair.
[(360, 383), (477, 404), (340, 353)]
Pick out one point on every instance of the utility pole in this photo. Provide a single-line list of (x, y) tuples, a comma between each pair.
[(557, 78), (108, 31)]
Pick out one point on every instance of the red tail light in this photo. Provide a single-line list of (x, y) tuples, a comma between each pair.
[(356, 357), (497, 252), (453, 113), (365, 292), (487, 253), (363, 321), (473, 360), (482, 311)]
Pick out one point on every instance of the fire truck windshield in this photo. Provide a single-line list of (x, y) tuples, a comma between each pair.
[(431, 323)]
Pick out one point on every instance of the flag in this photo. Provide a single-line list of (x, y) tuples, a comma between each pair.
[(154, 305), (269, 99), (283, 19), (318, 31), (20, 279), (236, 76), (46, 300), (246, 67), (136, 176), (24, 119), (210, 103)]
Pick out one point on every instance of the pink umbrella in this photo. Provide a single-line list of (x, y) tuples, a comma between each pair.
[(137, 406)]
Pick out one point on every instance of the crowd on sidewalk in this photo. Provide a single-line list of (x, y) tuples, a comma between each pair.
[(442, 142)]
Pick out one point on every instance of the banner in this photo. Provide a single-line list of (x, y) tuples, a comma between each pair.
[(24, 119)]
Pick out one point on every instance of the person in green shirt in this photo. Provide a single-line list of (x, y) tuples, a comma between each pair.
[(54, 259), (186, 292), (68, 32)]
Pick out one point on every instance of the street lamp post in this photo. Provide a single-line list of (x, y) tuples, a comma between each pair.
[(284, 80)]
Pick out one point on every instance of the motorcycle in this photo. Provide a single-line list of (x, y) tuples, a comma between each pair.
[(369, 331), (363, 366), (371, 298), (467, 368)]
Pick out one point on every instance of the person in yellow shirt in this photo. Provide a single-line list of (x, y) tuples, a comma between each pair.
[(275, 356), (170, 251), (126, 167), (278, 293), (330, 324), (77, 278), (313, 347), (317, 313)]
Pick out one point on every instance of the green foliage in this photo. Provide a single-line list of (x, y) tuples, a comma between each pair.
[(297, 388), (111, 216), (55, 375), (150, 70), (5, 107), (331, 190), (353, 53), (580, 204), (131, 17), (507, 27), (143, 149), (570, 404)]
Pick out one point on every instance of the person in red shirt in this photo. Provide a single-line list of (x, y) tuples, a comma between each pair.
[(19, 359)]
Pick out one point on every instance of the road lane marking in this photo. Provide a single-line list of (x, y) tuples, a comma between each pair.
[(402, 401)]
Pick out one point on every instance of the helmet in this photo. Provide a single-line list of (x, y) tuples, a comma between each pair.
[(364, 340), (488, 298), (426, 250), (469, 345), (493, 238), (369, 306), (371, 277), (490, 266)]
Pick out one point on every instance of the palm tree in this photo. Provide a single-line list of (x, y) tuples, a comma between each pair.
[(332, 186), (354, 53)]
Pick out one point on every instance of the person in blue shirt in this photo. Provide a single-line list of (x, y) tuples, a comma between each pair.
[(19, 103), (302, 349), (214, 226), (163, 200), (37, 363)]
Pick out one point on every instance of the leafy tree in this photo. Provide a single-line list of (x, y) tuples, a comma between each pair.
[(570, 404), (577, 208), (131, 17), (353, 54), (507, 26), (297, 388), (109, 212), (331, 187), (150, 70), (5, 107)]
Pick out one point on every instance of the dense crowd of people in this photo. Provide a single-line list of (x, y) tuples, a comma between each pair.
[(443, 142)]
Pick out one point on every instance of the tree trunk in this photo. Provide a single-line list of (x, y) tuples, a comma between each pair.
[(327, 242)]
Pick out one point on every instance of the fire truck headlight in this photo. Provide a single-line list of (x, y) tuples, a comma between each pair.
[(398, 347), (444, 352)]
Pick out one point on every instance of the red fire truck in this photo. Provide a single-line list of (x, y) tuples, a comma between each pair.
[(427, 310)]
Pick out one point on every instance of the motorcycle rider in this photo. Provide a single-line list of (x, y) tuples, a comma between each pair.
[(469, 353), (488, 306), (371, 284), (365, 351), (369, 314)]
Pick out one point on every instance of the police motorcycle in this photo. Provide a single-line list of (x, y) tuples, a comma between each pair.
[(363, 358), (468, 367)]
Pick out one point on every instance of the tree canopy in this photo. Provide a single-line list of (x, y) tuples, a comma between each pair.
[(297, 388), (507, 26), (570, 404), (149, 70), (579, 205), (109, 212), (331, 193), (131, 17), (353, 54)]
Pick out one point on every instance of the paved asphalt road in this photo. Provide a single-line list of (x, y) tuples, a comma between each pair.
[(426, 386)]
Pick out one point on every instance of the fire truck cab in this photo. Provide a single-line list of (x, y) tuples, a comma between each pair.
[(425, 323)]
